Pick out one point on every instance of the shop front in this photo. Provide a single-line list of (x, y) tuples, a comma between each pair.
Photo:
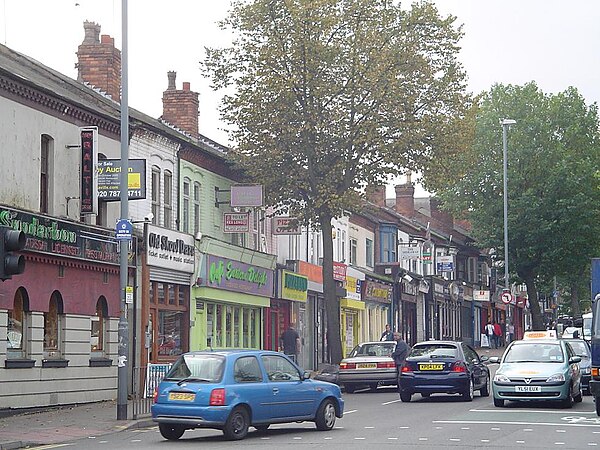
[(167, 270), (408, 328), (312, 319), (377, 296), (231, 293), (59, 318), (290, 307)]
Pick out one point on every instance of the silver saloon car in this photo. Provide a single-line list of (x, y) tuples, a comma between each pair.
[(368, 364)]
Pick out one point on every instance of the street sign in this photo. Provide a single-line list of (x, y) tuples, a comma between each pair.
[(506, 297), (124, 230)]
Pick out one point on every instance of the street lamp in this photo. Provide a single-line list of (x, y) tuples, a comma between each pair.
[(506, 123)]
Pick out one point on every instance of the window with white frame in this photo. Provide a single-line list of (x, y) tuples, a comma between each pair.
[(45, 151), (168, 199), (353, 251), (196, 199), (186, 206), (369, 252), (156, 195), (18, 324)]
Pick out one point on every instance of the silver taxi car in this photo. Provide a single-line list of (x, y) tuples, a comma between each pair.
[(540, 367)]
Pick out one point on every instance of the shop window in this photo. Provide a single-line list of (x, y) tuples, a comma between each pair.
[(18, 322), (53, 322), (99, 329), (151, 293), (181, 293), (170, 333), (172, 297)]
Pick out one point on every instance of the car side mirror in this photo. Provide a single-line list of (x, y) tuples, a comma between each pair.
[(494, 359), (574, 359), (305, 375), (484, 358)]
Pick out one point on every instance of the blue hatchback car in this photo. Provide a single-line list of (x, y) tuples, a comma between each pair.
[(232, 390)]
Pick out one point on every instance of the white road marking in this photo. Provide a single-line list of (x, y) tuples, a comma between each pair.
[(359, 438), (91, 437), (103, 442), (350, 412), (136, 440), (454, 439), (512, 411), (495, 429), (298, 438), (520, 442), (393, 438), (265, 438), (390, 402), (559, 443), (422, 439), (404, 428), (561, 431), (592, 443), (328, 438), (369, 428), (465, 428), (527, 429), (485, 422), (485, 440)]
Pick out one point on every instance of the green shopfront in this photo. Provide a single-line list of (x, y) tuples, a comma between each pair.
[(232, 290)]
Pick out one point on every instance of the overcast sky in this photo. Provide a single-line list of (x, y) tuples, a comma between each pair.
[(553, 42)]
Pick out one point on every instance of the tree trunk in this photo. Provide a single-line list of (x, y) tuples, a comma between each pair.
[(575, 308), (332, 305), (537, 322)]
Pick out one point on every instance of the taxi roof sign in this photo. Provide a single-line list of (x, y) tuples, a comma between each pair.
[(547, 334)]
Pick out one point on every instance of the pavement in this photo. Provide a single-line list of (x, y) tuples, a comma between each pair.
[(62, 424)]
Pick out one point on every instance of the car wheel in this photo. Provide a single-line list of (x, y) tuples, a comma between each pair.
[(485, 390), (405, 396), (373, 387), (349, 388), (236, 426), (170, 432), (498, 402), (568, 402), (325, 419), (262, 428), (579, 397), (470, 392)]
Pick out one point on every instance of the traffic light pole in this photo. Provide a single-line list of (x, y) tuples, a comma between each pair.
[(122, 367)]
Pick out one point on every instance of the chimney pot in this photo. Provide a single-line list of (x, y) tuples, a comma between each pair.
[(92, 32), (171, 75)]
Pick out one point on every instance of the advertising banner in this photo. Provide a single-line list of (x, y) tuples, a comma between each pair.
[(109, 179), (89, 177), (224, 273), (282, 225), (236, 222), (170, 249)]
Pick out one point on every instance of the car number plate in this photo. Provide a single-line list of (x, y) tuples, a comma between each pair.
[(431, 367), (182, 396), (366, 366), (528, 389)]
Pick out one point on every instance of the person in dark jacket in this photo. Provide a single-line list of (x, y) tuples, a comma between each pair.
[(399, 354), (388, 334)]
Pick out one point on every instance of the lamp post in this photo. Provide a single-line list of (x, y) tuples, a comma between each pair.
[(506, 123)]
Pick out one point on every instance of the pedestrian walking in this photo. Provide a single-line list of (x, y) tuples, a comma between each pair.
[(290, 342), (498, 334), (489, 332), (388, 334), (399, 355)]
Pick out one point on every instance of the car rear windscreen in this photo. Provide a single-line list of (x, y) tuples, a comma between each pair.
[(205, 367), (434, 351)]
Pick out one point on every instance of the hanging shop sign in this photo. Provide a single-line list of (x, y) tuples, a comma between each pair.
[(293, 286), (444, 263), (224, 273), (285, 226), (89, 177), (109, 179), (376, 291), (409, 253), (339, 271), (246, 195), (236, 222), (170, 249), (353, 288)]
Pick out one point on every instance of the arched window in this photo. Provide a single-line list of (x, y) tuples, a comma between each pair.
[(53, 327), (99, 329), (18, 321)]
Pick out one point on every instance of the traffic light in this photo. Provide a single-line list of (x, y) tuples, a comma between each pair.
[(10, 263)]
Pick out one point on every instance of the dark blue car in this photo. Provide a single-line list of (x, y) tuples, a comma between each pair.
[(444, 367), (235, 389)]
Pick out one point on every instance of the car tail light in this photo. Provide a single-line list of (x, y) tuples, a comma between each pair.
[(459, 366), (217, 397), (155, 395), (595, 372), (386, 365), (406, 369), (345, 366)]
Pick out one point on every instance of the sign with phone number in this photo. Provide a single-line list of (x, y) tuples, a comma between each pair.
[(109, 179)]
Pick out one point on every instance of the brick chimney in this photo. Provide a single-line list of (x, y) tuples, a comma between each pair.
[(376, 194), (405, 199), (180, 108), (99, 62)]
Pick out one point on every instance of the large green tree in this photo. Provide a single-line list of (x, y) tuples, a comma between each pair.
[(327, 97), (553, 195)]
